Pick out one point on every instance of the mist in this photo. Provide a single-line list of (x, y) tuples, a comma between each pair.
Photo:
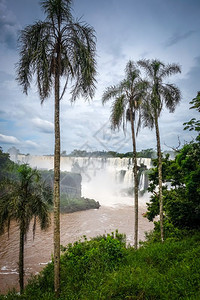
[(107, 180)]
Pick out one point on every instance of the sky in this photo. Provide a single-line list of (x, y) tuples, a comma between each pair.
[(167, 30)]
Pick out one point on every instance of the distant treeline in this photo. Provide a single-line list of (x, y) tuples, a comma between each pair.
[(147, 153)]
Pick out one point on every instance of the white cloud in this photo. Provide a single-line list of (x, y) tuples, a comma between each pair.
[(8, 139), (43, 125), (119, 38), (31, 143)]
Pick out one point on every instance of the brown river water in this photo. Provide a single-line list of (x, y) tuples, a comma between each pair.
[(73, 226)]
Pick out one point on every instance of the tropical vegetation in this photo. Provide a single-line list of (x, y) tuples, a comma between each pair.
[(59, 47), (181, 184), (70, 192), (145, 153), (73, 204), (107, 268), (128, 96), (104, 268), (23, 199), (59, 53), (160, 93), (26, 196)]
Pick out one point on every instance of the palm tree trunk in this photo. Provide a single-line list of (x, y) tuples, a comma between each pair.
[(135, 180), (57, 181), (159, 154), (21, 258)]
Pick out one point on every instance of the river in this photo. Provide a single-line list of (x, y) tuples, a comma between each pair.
[(73, 226)]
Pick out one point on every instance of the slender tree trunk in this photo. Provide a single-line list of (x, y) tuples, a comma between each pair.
[(57, 180), (21, 258), (135, 180), (159, 154)]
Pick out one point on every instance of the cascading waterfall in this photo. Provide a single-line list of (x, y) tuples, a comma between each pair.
[(102, 178), (142, 182)]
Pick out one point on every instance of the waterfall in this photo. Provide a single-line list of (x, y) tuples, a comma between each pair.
[(101, 177)]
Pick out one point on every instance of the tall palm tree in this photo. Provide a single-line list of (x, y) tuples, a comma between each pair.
[(56, 48), (128, 95), (22, 200), (160, 93)]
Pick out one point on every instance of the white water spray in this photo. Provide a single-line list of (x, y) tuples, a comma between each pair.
[(108, 180)]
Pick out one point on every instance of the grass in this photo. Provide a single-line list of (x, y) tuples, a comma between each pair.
[(104, 268)]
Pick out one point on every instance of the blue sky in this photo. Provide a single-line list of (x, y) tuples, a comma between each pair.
[(130, 29)]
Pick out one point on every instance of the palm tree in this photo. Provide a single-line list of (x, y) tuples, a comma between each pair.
[(56, 48), (128, 95), (22, 200), (159, 93)]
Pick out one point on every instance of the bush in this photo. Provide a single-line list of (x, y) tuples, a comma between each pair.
[(104, 269), (84, 265), (69, 205)]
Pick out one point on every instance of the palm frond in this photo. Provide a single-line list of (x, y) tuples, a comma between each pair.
[(40, 44), (66, 58), (133, 91), (132, 72), (35, 42), (4, 215), (170, 69), (81, 47), (7, 209), (109, 93), (147, 66), (157, 67), (142, 86), (158, 91), (57, 11), (44, 217), (118, 112), (147, 114), (139, 123), (140, 92), (171, 95), (24, 199)]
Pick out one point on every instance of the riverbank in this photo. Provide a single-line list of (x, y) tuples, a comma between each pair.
[(71, 205), (104, 268), (73, 226)]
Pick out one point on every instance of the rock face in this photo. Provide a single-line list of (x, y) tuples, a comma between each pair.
[(70, 183)]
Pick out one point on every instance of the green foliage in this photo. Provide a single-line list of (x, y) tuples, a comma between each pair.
[(69, 205), (171, 233), (104, 268), (69, 202), (24, 198), (127, 96), (7, 167), (181, 188), (159, 91), (4, 161), (74, 44), (194, 124), (181, 192), (23, 194), (84, 267), (147, 153)]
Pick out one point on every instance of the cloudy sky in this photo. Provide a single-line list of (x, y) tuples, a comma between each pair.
[(130, 29)]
